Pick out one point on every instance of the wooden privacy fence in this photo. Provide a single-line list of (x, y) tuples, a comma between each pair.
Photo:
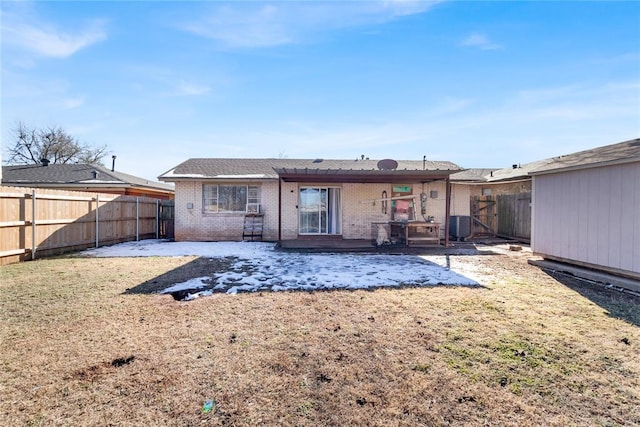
[(514, 215), (505, 215), (39, 222), (483, 216)]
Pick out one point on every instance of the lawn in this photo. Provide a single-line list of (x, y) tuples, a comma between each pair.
[(89, 341)]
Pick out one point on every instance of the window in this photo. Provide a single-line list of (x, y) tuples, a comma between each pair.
[(229, 198), (319, 211)]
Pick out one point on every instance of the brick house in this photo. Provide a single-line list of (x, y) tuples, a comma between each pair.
[(300, 199)]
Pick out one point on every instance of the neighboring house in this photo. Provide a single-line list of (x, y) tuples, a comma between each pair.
[(83, 177), (307, 199), (586, 208), (498, 200), (465, 185)]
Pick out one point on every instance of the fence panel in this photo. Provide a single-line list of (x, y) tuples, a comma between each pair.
[(483, 216), (39, 222), (514, 215)]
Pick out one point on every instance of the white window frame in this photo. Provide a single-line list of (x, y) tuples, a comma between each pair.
[(336, 211), (211, 198)]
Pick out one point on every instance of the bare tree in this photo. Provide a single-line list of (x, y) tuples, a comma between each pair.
[(52, 143)]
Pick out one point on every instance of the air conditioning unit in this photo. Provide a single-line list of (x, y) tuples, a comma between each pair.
[(253, 207), (460, 227)]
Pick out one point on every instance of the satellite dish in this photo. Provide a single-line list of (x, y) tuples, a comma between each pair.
[(387, 165)]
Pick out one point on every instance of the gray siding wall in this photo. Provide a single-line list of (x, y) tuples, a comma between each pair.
[(590, 216)]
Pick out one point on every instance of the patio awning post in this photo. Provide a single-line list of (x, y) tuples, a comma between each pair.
[(279, 210), (447, 215)]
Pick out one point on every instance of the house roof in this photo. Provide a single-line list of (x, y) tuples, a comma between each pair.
[(623, 152), (515, 172), (472, 175), (76, 175), (305, 169)]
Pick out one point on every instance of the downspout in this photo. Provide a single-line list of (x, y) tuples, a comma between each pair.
[(279, 209), (447, 214)]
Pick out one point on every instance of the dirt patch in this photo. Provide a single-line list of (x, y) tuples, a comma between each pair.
[(196, 267)]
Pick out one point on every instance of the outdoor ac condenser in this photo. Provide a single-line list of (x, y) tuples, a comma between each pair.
[(460, 227)]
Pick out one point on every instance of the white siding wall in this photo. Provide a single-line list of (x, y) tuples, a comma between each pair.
[(590, 216), (461, 199)]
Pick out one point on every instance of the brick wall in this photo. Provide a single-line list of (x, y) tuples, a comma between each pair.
[(503, 188), (289, 211), (357, 216), (192, 224)]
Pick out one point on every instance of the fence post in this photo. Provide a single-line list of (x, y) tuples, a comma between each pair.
[(137, 219), (157, 219), (33, 224), (97, 224)]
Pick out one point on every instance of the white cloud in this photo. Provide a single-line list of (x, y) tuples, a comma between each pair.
[(243, 26), (256, 24), (467, 132), (71, 103), (479, 40), (21, 29), (191, 89)]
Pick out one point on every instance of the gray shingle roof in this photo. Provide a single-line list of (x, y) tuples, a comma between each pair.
[(265, 168), (472, 175), (627, 151), (72, 174)]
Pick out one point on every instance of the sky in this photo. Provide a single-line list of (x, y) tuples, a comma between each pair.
[(481, 84), (257, 267)]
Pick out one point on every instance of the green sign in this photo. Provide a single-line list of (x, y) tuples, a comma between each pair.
[(402, 189)]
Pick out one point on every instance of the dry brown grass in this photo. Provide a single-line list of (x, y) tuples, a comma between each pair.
[(77, 348)]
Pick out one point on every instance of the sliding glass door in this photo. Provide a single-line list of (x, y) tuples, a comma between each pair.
[(319, 210)]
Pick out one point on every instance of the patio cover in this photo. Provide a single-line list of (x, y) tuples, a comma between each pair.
[(307, 175), (394, 176)]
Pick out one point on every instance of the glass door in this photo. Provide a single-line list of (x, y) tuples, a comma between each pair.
[(319, 210)]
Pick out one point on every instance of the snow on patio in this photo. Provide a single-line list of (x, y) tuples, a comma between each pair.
[(259, 267)]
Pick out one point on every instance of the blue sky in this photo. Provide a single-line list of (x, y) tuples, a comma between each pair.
[(481, 84)]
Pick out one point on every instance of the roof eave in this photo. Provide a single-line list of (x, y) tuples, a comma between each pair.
[(216, 178), (586, 166)]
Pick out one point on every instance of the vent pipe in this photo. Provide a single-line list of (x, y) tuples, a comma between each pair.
[(113, 163)]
